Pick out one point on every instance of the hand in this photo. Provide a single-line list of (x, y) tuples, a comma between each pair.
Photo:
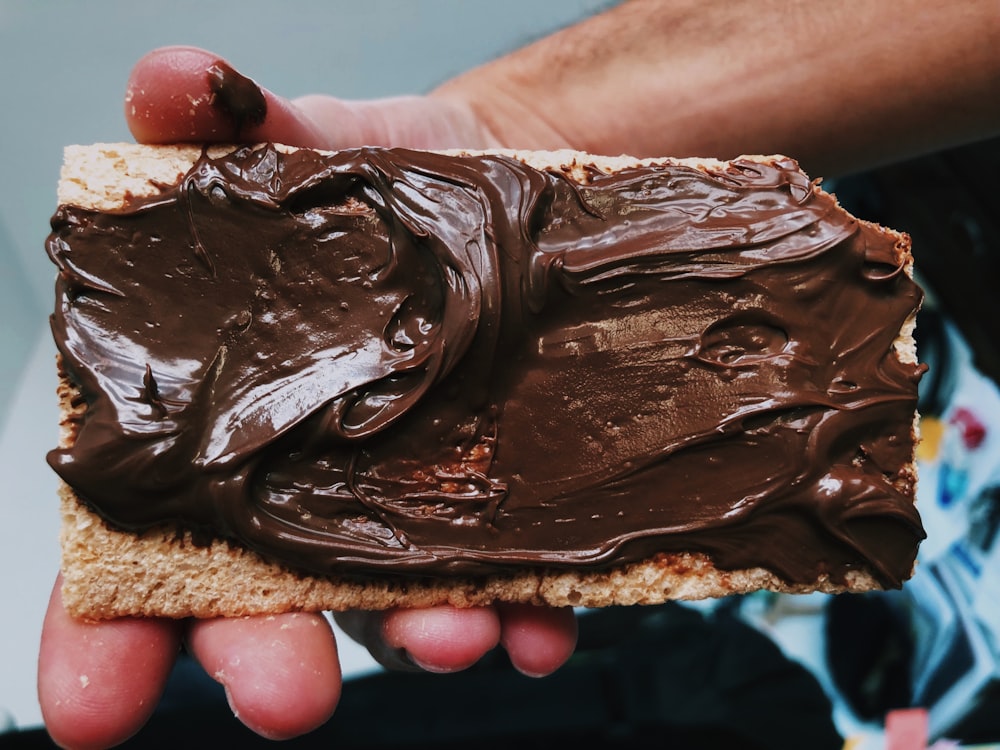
[(98, 683), (169, 100)]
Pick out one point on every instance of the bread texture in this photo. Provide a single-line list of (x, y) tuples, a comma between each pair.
[(161, 572)]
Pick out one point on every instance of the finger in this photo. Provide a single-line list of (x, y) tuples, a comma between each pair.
[(186, 94), (436, 639), (443, 639), (280, 672), (419, 122), (367, 629), (538, 640), (99, 682)]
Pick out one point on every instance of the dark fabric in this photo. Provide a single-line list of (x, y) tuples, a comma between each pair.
[(947, 203), (869, 652), (659, 676)]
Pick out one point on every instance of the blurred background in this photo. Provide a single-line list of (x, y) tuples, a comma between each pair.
[(63, 69)]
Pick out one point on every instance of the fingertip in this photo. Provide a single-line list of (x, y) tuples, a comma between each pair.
[(99, 682), (281, 672), (538, 640), (168, 99), (443, 639), (185, 94)]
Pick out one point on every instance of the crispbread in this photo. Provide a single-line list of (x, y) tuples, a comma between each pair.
[(161, 572)]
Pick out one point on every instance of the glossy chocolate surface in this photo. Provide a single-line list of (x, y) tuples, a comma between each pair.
[(385, 361)]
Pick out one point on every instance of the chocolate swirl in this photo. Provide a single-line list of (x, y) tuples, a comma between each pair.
[(385, 361)]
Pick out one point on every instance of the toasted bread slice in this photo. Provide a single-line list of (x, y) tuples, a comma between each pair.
[(163, 571)]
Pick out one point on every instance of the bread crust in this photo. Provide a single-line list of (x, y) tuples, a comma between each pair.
[(109, 573)]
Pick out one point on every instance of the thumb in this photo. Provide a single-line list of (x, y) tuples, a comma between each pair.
[(186, 94)]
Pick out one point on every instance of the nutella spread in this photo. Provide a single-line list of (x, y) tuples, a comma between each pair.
[(237, 97), (396, 362)]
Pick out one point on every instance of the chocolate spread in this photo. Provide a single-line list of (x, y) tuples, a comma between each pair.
[(236, 96), (387, 361)]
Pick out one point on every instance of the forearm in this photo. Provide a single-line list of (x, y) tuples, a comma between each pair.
[(838, 85)]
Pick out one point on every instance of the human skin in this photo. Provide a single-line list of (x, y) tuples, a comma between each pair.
[(839, 86), (99, 682)]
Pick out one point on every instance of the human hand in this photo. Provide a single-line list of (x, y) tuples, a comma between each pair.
[(173, 96), (98, 683)]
